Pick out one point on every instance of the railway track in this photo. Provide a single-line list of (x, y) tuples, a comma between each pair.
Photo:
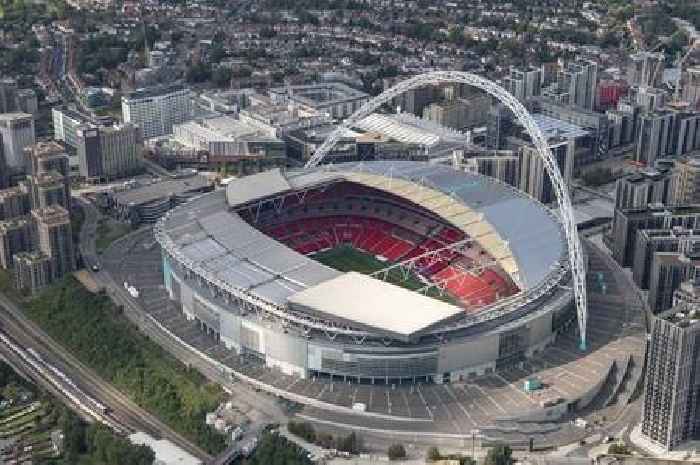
[(123, 410)]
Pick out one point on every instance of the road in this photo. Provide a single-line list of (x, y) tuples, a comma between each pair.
[(265, 404)]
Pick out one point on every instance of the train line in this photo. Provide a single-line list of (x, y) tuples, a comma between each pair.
[(118, 407)]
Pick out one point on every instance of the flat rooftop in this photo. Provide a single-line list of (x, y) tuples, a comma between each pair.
[(160, 189), (382, 307)]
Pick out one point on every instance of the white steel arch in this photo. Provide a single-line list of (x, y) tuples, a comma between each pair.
[(567, 216)]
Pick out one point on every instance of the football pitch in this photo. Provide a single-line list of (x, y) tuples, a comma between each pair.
[(346, 258)]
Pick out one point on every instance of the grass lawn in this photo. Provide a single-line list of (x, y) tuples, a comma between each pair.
[(109, 231), (346, 258)]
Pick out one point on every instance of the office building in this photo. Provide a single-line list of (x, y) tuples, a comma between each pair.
[(627, 222), (524, 84), (155, 110), (648, 186), (109, 152), (646, 69), (66, 123), (54, 239), (651, 241), (15, 237), (533, 178), (16, 133), (654, 131), (686, 181), (671, 406)]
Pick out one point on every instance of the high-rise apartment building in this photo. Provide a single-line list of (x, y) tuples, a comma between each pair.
[(156, 109), (14, 202), (651, 241), (646, 69), (16, 132), (524, 83), (50, 178), (686, 185), (649, 186), (627, 222), (15, 237), (54, 239), (654, 131), (668, 271), (534, 180), (579, 80), (671, 408)]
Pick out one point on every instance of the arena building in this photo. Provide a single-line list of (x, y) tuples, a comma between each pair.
[(377, 272)]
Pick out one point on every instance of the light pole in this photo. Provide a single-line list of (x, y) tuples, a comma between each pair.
[(475, 432)]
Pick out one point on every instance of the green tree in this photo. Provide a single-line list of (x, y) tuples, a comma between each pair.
[(618, 448), (432, 454), (396, 452), (499, 454), (221, 76)]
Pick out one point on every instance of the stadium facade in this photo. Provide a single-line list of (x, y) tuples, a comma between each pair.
[(491, 263)]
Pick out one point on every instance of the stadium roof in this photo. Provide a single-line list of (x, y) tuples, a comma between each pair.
[(523, 235), (230, 250), (384, 307), (158, 190)]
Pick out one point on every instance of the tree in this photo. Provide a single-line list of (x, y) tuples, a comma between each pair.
[(351, 443), (432, 454), (396, 452), (221, 76), (618, 448), (499, 454), (198, 72)]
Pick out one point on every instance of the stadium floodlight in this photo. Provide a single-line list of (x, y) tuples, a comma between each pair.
[(566, 211)]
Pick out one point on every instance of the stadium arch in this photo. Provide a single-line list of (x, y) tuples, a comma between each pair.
[(576, 259)]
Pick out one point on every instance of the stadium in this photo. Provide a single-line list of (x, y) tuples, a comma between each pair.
[(376, 272)]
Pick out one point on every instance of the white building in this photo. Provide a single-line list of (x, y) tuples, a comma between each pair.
[(226, 136), (16, 133), (166, 452), (155, 110)]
